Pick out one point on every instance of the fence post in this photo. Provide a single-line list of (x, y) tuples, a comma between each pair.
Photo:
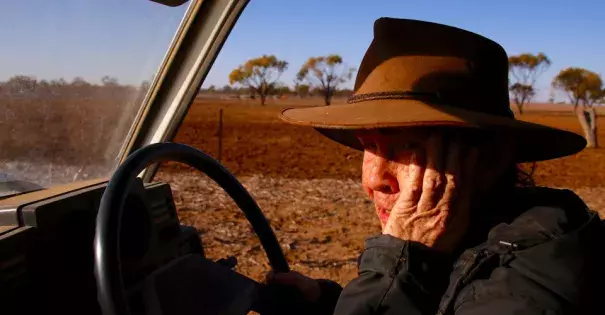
[(220, 134)]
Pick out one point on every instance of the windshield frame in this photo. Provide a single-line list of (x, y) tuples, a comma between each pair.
[(194, 48)]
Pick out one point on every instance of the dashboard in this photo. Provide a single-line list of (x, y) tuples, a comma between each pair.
[(46, 245)]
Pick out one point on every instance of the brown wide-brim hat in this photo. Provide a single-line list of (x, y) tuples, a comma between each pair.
[(419, 73)]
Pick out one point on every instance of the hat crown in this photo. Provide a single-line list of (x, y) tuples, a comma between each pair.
[(448, 65)]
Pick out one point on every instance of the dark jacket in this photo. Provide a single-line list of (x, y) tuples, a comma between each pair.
[(540, 254)]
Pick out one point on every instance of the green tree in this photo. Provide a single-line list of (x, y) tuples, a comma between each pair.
[(584, 89), (80, 82), (345, 93), (525, 70), (259, 74), (58, 82), (109, 81), (282, 90), (21, 85), (325, 73), (302, 90)]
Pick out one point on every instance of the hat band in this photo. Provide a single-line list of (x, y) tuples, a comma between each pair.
[(395, 95), (410, 95)]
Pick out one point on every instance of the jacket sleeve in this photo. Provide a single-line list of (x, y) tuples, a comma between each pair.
[(395, 277)]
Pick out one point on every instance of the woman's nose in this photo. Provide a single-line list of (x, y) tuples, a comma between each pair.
[(380, 177)]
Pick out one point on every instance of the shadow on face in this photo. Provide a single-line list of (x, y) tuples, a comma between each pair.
[(387, 153)]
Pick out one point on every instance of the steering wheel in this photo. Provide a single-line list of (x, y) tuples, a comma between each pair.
[(107, 266)]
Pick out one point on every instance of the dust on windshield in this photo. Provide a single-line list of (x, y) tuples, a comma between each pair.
[(71, 83)]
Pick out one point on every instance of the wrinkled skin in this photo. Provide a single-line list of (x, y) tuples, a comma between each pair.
[(422, 182)]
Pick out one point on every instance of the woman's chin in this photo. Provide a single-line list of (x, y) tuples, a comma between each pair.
[(383, 216)]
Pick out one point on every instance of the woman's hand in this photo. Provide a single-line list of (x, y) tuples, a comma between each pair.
[(434, 203), (307, 286)]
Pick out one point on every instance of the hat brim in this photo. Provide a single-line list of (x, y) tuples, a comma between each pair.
[(534, 142)]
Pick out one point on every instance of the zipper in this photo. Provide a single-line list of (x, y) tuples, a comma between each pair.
[(476, 260), (482, 257)]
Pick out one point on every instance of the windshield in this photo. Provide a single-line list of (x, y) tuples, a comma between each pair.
[(73, 75)]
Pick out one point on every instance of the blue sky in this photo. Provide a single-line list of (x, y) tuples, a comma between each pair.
[(48, 39), (127, 39)]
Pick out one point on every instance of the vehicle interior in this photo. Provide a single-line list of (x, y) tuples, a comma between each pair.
[(104, 236), (143, 260)]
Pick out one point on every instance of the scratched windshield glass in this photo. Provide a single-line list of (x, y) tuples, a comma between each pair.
[(73, 75)]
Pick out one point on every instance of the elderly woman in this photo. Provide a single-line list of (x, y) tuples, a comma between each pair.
[(461, 233)]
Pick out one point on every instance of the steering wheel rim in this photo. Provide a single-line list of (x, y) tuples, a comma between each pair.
[(107, 269)]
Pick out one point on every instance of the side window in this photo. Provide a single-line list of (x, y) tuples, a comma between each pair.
[(308, 186)]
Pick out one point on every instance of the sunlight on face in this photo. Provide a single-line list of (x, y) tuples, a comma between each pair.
[(386, 155), (388, 152)]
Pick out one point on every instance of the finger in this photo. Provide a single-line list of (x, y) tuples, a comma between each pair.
[(452, 173), (270, 277), (289, 278), (432, 182), (410, 183), (467, 175), (309, 287), (463, 199)]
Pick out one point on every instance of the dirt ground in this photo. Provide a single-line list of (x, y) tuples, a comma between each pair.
[(309, 187)]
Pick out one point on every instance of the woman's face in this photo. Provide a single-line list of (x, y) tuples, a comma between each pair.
[(388, 152)]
